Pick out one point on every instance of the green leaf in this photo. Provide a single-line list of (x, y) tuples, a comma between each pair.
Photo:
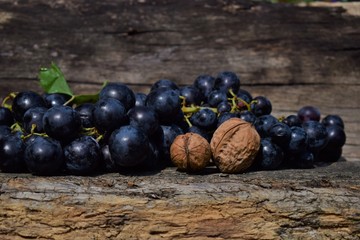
[(86, 98), (52, 80)]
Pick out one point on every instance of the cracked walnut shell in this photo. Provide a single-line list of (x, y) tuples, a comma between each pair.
[(190, 152), (234, 145)]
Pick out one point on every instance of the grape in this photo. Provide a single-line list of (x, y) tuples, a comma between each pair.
[(317, 135), (164, 83), (85, 111), (270, 155), (12, 154), (329, 154), (108, 163), (202, 132), (224, 116), (44, 156), (205, 83), (120, 92), (223, 107), (165, 102), (129, 146), (304, 159), (292, 120), (55, 99), (336, 136), (204, 118), (299, 141), (6, 117), (82, 156), (226, 81), (215, 97), (244, 95), (34, 116), (264, 123), (24, 101), (109, 114), (192, 95), (330, 120), (247, 116), (261, 106), (308, 113), (169, 134), (280, 133), (140, 99), (4, 132), (62, 123), (144, 118)]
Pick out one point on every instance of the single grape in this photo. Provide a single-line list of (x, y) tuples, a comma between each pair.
[(62, 123), (292, 120), (270, 155), (44, 156), (34, 116), (280, 133), (244, 95), (329, 154), (109, 114), (317, 135), (169, 134), (144, 118), (215, 97), (12, 154), (82, 156), (225, 116), (55, 99), (192, 95), (299, 141), (204, 118), (120, 92), (129, 146), (264, 123), (247, 116), (308, 113), (332, 119), (336, 136), (226, 81), (303, 160), (6, 117), (24, 101), (223, 107), (202, 132), (140, 99), (4, 132), (164, 83), (165, 102), (261, 106), (108, 163), (205, 83), (85, 111)]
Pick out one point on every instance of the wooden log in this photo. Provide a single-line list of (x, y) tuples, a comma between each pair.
[(294, 55)]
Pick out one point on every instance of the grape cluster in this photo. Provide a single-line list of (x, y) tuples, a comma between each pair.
[(125, 131)]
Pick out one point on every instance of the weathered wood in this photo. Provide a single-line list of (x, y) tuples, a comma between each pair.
[(294, 55)]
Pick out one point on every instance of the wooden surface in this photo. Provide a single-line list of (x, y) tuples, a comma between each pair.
[(294, 55)]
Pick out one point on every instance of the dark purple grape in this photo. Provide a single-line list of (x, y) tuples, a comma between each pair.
[(317, 135), (244, 95), (301, 160), (336, 136), (6, 117), (140, 99), (261, 106), (308, 113), (109, 114), (144, 118), (292, 120), (55, 99), (4, 132), (129, 146), (44, 156), (270, 155), (169, 134), (165, 102), (299, 141), (329, 154), (204, 118), (331, 120), (85, 111), (34, 116), (120, 92), (223, 107), (108, 163), (62, 123), (226, 81), (24, 101), (164, 83), (215, 97), (224, 117), (192, 95), (247, 116), (202, 132), (264, 123), (12, 154), (205, 83), (280, 133), (82, 156)]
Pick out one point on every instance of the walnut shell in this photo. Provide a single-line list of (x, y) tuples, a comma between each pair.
[(190, 152), (234, 145)]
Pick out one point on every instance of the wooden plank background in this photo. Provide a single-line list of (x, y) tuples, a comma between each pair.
[(294, 55)]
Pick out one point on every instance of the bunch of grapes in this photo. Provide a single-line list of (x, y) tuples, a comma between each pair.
[(125, 131)]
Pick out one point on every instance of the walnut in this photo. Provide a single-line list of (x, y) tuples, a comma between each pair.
[(234, 145), (190, 152)]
